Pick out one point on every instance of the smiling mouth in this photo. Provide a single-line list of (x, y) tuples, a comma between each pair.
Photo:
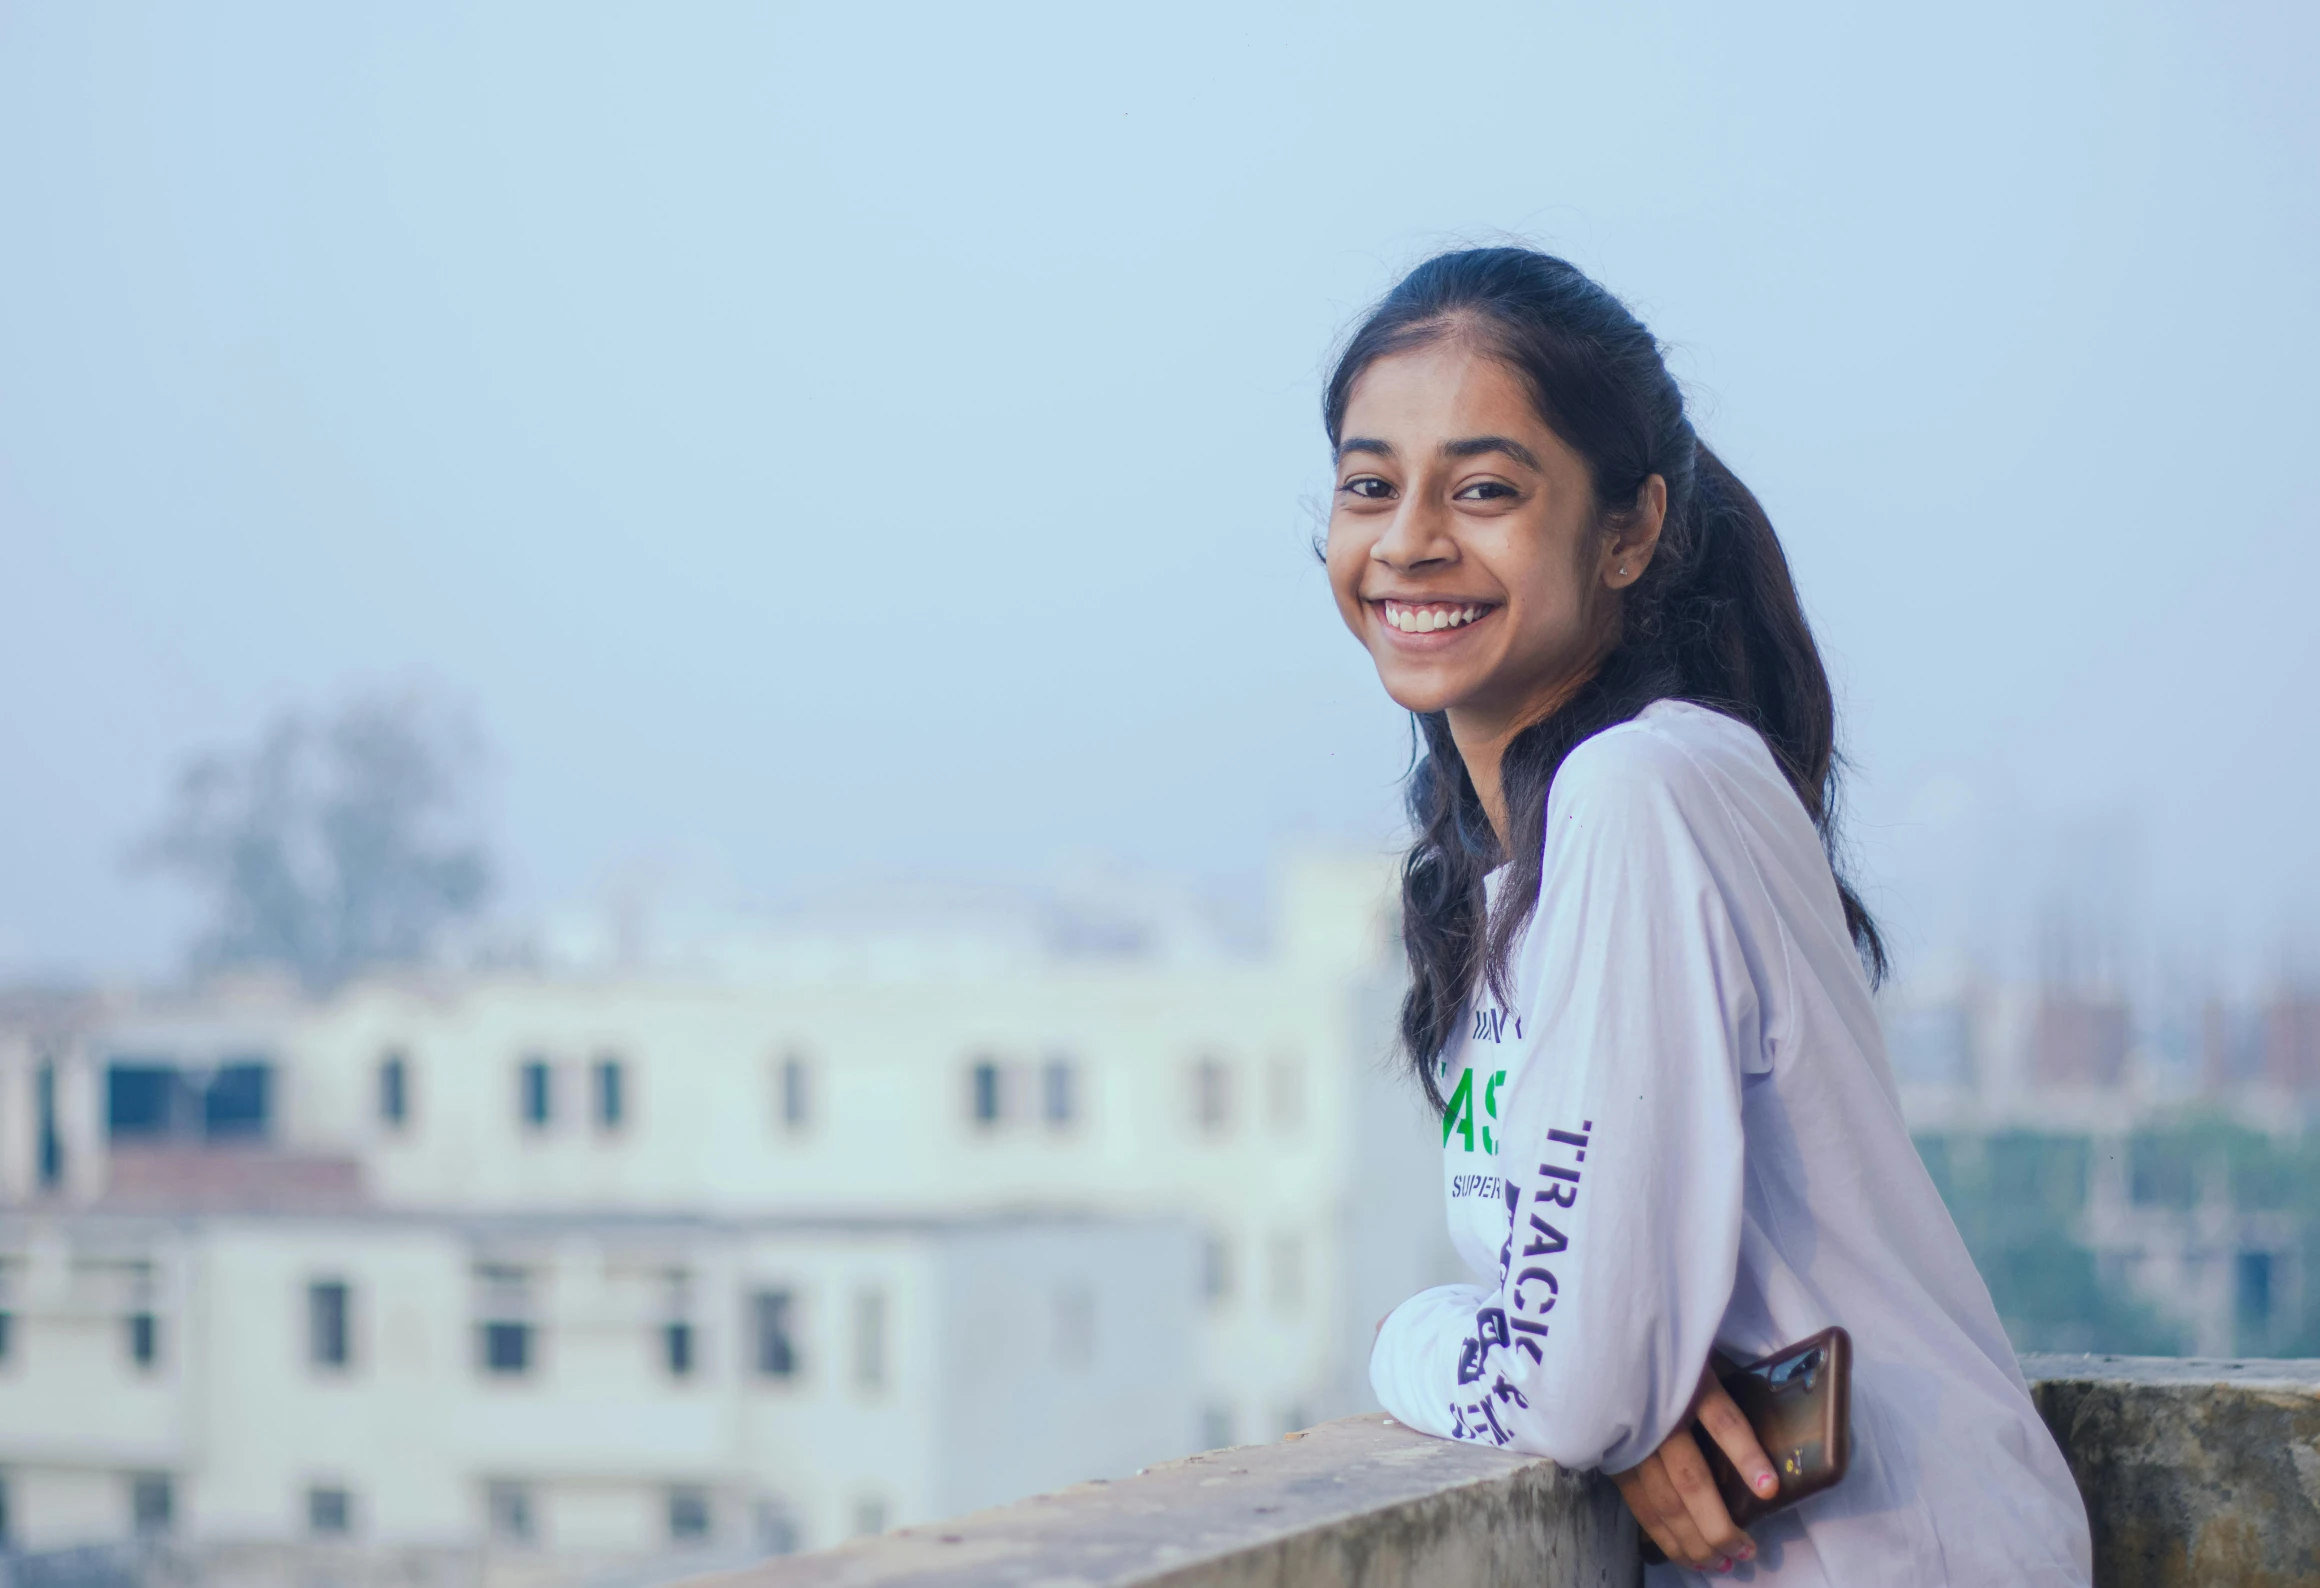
[(1428, 617)]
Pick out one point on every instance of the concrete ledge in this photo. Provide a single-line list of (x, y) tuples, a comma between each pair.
[(1359, 1503), (2194, 1471)]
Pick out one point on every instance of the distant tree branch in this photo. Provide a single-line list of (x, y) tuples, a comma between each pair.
[(329, 847)]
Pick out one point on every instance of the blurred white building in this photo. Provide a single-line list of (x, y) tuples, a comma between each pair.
[(542, 1393), (564, 1270)]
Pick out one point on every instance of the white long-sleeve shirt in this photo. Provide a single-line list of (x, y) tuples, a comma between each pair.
[(1681, 1133)]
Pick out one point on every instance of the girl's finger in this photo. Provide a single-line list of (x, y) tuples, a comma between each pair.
[(1695, 1485), (1728, 1426), (1685, 1541)]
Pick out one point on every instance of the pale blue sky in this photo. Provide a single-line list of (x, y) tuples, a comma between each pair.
[(842, 441)]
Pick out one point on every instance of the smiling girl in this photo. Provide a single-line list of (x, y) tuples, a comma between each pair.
[(1635, 967)]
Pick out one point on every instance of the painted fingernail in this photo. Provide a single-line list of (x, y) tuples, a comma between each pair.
[(1747, 1552), (1766, 1483), (1725, 1564)]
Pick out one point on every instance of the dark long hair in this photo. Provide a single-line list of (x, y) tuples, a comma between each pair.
[(1713, 619)]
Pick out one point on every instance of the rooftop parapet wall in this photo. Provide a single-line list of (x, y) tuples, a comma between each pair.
[(1358, 1503), (2194, 1472)]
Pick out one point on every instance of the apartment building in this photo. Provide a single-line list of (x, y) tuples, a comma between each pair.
[(562, 1227), (539, 1395)]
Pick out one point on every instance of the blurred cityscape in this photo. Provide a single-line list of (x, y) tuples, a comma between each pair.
[(385, 1247), (2133, 1170), (862, 463), (541, 1276), (515, 1275)]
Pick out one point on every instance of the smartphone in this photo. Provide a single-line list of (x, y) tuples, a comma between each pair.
[(1799, 1400)]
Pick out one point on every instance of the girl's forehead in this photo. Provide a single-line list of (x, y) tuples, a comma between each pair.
[(1441, 386)]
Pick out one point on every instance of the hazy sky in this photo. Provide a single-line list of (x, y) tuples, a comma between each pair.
[(845, 441)]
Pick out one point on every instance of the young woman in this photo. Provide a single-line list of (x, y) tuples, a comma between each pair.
[(1637, 984)]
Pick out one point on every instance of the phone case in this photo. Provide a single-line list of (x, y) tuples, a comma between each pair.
[(1799, 1400)]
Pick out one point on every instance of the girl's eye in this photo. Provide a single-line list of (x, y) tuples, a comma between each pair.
[(1486, 491), (1368, 486)]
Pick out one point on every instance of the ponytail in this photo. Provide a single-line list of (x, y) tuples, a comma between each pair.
[(1713, 619)]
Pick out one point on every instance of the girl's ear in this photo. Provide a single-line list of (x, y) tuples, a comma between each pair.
[(1635, 534)]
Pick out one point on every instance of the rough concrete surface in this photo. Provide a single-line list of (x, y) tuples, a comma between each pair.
[(2194, 1471), (1358, 1503)]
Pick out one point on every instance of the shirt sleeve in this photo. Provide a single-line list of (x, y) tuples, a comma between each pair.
[(1622, 1157)]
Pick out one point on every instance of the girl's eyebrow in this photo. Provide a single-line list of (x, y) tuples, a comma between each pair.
[(1476, 446), (1469, 447)]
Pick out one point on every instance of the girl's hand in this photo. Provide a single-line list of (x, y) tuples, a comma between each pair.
[(1674, 1496)]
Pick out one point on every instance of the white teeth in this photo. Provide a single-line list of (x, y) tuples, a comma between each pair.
[(1415, 620)]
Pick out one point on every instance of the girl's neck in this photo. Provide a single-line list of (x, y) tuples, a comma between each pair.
[(1482, 738)]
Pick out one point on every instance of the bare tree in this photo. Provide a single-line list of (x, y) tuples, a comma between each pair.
[(330, 846)]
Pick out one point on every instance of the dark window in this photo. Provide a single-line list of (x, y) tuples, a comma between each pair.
[(151, 1502), (777, 1530), (6, 1538), (503, 1310), (608, 1094), (394, 1091), (51, 1137), (533, 1099), (1211, 1096), (796, 1096), (677, 1349), (773, 1319), (327, 1344), (688, 1514), (509, 1506), (1216, 1268), (233, 1108), (140, 1100), (983, 1099), (2254, 1287), (1055, 1092), (144, 1339), (148, 1101), (870, 1339), (7, 1334), (329, 1512), (507, 1347)]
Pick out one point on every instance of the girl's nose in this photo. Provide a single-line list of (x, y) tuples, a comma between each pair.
[(1415, 537)]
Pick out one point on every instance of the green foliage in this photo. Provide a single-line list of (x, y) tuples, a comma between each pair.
[(2017, 1196), (329, 847)]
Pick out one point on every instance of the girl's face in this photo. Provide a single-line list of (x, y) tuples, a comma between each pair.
[(1466, 549)]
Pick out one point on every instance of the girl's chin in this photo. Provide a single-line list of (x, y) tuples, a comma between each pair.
[(1422, 698)]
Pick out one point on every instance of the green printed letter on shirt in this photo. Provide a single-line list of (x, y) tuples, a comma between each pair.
[(1459, 1116)]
